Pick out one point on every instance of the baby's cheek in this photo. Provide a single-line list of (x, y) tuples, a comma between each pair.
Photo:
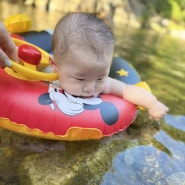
[(74, 89), (99, 89)]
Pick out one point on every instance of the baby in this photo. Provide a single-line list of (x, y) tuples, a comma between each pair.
[(83, 47)]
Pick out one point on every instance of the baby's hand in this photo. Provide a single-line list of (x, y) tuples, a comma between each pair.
[(157, 111)]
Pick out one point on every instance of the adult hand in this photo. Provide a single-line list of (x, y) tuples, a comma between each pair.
[(7, 47)]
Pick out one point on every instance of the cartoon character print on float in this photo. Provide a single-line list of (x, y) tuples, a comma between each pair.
[(72, 106)]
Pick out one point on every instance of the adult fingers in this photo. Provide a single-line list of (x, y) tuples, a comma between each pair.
[(7, 45), (3, 57)]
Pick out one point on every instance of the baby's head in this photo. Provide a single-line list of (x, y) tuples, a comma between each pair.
[(84, 31), (83, 46)]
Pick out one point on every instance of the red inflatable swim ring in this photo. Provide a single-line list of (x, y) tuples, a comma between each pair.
[(32, 107)]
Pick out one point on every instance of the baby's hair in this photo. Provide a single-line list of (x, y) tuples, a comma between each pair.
[(85, 31)]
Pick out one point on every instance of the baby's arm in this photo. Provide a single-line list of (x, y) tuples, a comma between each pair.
[(138, 96)]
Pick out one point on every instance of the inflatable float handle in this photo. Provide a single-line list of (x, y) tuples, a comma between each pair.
[(31, 74), (28, 72)]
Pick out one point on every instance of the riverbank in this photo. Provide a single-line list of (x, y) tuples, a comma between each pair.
[(118, 13)]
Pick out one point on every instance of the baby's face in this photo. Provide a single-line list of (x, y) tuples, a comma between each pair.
[(82, 73)]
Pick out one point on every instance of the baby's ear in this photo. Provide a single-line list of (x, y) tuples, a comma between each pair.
[(52, 63)]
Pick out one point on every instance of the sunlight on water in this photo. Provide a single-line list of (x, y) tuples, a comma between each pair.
[(144, 165)]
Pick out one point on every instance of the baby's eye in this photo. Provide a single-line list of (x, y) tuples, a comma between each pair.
[(80, 79), (101, 79)]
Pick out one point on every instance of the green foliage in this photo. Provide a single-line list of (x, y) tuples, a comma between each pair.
[(171, 9), (176, 13), (163, 8), (181, 3)]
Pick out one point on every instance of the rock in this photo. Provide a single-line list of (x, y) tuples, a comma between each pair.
[(68, 167)]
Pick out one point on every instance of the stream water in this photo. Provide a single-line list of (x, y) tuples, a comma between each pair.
[(148, 152)]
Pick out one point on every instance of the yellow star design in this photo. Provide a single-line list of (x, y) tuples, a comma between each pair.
[(122, 72)]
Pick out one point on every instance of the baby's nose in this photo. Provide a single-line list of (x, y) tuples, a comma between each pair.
[(89, 87)]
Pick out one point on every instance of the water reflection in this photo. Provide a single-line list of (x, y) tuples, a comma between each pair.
[(148, 165), (177, 122), (140, 165)]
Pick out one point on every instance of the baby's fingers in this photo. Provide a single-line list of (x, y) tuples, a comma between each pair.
[(157, 117)]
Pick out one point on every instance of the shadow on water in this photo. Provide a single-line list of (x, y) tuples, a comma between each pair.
[(147, 152)]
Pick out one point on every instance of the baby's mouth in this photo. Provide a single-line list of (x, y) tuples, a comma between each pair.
[(85, 97)]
